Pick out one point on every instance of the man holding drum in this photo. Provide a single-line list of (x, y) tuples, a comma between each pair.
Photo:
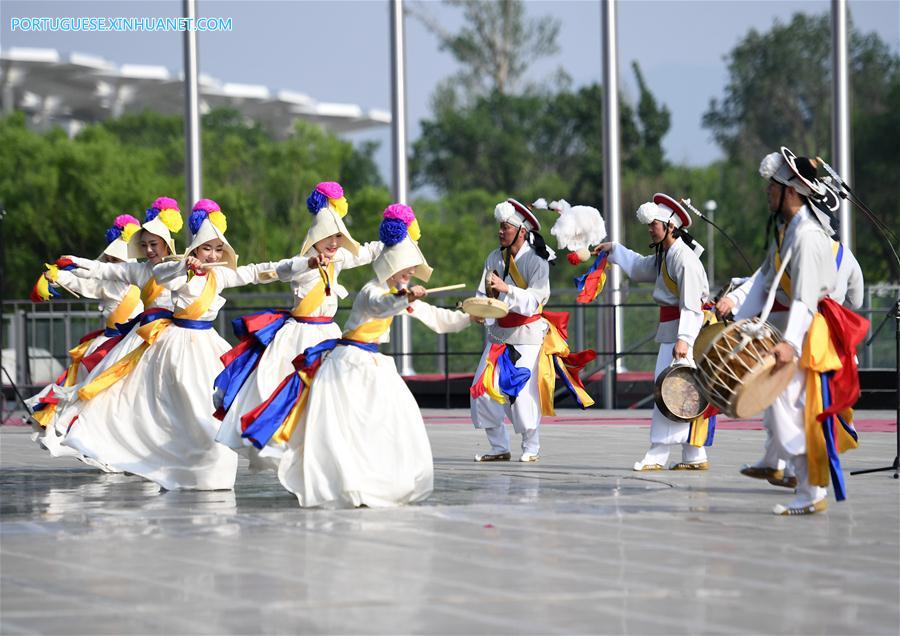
[(802, 237), (680, 291), (517, 274)]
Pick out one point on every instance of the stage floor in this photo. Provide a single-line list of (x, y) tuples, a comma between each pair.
[(575, 544)]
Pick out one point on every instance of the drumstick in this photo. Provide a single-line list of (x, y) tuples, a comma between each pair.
[(446, 288), (59, 284)]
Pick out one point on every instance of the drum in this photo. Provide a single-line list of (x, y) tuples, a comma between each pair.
[(677, 393), (483, 307), (707, 334), (735, 370)]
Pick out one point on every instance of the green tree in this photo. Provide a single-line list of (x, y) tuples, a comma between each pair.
[(495, 46), (535, 144), (779, 93), (61, 193)]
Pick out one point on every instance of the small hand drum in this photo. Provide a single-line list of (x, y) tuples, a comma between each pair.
[(483, 307), (678, 395), (736, 369)]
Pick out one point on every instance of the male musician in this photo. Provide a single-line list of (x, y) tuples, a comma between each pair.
[(848, 291), (802, 234), (518, 274), (680, 291)]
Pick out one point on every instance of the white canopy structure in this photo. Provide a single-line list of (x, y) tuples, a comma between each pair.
[(76, 89)]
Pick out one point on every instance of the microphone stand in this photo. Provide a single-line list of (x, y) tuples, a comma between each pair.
[(895, 313)]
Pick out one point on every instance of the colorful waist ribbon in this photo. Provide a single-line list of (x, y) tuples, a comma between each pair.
[(832, 388)]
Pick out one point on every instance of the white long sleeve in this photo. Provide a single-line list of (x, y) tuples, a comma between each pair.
[(438, 319), (641, 269)]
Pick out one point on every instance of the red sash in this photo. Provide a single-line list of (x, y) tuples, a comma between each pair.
[(777, 306), (516, 320), (668, 313)]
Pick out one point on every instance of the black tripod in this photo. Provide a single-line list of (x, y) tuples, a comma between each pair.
[(895, 313)]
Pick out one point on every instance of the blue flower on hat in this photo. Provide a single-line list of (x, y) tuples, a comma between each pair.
[(316, 201), (392, 231)]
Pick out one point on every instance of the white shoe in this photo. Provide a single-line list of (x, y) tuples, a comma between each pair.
[(645, 467), (795, 508), (529, 457)]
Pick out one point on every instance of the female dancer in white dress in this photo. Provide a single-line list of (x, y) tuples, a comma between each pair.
[(157, 422), (357, 438), (271, 339), (153, 242), (119, 302)]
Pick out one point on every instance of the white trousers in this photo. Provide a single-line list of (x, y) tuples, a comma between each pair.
[(525, 413), (786, 437)]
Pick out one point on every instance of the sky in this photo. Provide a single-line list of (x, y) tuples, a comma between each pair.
[(338, 50)]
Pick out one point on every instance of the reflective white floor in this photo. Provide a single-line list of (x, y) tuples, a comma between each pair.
[(574, 544)]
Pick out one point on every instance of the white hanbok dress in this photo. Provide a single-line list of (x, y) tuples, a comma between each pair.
[(119, 302), (157, 422), (155, 301), (361, 439), (311, 322)]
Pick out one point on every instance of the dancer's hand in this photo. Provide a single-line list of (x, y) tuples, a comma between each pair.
[(725, 306), (680, 350), (318, 259), (784, 354), (603, 247), (193, 263), (498, 284), (415, 292)]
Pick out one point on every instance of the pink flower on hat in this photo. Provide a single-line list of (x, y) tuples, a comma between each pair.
[(400, 211), (331, 189)]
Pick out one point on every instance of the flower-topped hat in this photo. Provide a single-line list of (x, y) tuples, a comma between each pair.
[(400, 249), (162, 219), (208, 223), (118, 236), (328, 205)]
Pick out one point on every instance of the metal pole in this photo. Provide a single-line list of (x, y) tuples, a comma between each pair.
[(841, 149), (401, 328), (611, 194), (710, 243), (192, 172)]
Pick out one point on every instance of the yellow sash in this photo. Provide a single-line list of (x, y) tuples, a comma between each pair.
[(667, 279), (370, 331), (820, 356), (150, 291), (316, 296), (150, 332), (125, 308)]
